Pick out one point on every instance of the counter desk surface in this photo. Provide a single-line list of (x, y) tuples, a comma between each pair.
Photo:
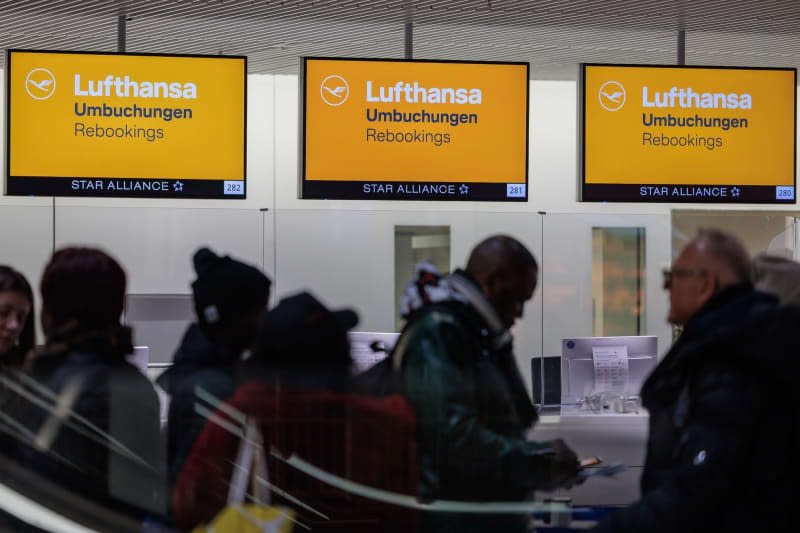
[(616, 438)]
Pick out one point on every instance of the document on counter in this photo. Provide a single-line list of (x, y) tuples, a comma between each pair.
[(610, 368)]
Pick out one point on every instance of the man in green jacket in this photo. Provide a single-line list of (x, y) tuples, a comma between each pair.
[(454, 363)]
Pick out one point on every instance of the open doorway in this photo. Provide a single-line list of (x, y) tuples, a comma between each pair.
[(413, 244)]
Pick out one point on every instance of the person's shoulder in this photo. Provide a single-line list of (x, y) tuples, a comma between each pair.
[(441, 332), (445, 314), (787, 316), (449, 323), (766, 330), (67, 366), (127, 373), (775, 348), (214, 380)]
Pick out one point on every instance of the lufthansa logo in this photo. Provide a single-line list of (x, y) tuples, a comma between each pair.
[(40, 84), (334, 90), (612, 96)]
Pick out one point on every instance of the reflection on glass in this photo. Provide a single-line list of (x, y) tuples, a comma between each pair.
[(773, 233), (618, 272), (413, 244)]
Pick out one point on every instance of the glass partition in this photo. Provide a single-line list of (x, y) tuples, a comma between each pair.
[(599, 276)]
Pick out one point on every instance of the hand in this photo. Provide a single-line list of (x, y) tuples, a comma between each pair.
[(565, 465)]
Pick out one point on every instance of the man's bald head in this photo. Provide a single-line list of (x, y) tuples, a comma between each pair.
[(710, 263), (506, 272), (499, 252)]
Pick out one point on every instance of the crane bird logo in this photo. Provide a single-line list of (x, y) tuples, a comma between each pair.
[(612, 96), (334, 90), (40, 84)]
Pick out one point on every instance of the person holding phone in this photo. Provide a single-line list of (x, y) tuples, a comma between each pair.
[(455, 364)]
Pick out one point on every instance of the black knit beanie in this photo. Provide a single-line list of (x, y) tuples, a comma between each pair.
[(225, 287)]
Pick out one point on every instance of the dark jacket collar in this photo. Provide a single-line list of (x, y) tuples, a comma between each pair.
[(730, 326), (469, 288), (727, 306), (501, 341), (196, 351), (111, 344)]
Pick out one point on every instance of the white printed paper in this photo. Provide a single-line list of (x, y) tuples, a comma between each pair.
[(610, 368), (361, 348)]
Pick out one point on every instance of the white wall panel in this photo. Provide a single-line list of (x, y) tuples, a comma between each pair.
[(26, 241), (347, 259), (26, 238), (155, 245)]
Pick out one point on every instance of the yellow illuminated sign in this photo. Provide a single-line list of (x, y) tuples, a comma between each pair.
[(81, 115), (402, 121), (728, 127)]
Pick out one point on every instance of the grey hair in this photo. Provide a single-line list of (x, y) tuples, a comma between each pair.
[(728, 251)]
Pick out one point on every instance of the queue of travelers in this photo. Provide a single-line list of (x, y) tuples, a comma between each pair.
[(440, 425)]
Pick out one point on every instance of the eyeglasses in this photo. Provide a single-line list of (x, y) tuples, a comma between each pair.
[(681, 273)]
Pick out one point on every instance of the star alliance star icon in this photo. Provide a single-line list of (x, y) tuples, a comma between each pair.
[(464, 189), (177, 186), (735, 192)]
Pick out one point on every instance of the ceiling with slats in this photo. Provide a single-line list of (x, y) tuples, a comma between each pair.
[(553, 35)]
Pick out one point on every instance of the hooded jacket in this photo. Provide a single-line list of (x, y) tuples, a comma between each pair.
[(202, 373), (721, 455), (457, 369)]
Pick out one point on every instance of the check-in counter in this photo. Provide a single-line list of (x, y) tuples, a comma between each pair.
[(590, 394), (613, 437)]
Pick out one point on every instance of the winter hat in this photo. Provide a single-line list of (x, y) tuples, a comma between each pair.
[(301, 330), (225, 287)]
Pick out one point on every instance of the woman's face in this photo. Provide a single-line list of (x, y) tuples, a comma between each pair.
[(14, 311)]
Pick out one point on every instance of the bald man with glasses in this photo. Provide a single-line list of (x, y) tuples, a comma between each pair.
[(723, 438)]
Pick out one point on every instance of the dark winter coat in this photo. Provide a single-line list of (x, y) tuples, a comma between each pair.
[(109, 447), (722, 450), (201, 374), (472, 414)]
